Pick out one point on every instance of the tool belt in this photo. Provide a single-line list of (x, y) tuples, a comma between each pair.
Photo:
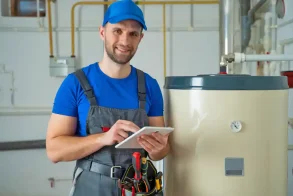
[(149, 184)]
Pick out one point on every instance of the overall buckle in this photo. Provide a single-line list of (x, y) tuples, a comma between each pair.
[(112, 171)]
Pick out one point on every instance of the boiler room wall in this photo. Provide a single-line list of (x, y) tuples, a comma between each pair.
[(192, 48)]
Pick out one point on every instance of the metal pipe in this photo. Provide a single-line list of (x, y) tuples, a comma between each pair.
[(245, 27), (226, 29), (137, 2), (50, 28), (164, 39), (23, 145)]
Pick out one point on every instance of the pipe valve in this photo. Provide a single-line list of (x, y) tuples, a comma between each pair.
[(228, 58)]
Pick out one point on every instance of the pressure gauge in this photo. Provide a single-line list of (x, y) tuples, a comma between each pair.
[(280, 8), (236, 126)]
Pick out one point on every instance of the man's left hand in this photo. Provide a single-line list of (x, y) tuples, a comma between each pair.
[(155, 144)]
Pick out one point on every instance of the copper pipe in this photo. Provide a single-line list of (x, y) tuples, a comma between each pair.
[(50, 28), (72, 19), (139, 3)]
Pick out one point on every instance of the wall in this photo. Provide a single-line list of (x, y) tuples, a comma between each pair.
[(190, 51)]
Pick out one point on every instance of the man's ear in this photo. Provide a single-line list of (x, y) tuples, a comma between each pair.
[(141, 36), (102, 32)]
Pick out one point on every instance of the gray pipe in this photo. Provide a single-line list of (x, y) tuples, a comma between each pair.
[(245, 26), (248, 21), (226, 31), (23, 145)]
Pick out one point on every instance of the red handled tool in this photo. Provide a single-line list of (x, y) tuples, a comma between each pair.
[(136, 162)]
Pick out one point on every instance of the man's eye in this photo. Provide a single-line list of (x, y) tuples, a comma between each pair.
[(134, 34), (117, 31)]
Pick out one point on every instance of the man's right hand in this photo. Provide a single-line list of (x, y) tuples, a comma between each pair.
[(119, 132)]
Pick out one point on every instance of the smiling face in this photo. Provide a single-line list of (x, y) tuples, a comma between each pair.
[(121, 40)]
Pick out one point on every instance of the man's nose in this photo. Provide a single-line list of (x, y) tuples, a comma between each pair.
[(124, 39)]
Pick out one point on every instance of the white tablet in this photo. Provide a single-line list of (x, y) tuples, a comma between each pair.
[(131, 141)]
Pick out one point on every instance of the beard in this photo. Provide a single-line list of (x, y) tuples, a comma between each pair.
[(118, 58)]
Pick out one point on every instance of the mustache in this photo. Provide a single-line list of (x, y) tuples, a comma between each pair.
[(123, 47)]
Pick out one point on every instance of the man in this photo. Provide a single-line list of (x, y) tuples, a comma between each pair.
[(99, 105)]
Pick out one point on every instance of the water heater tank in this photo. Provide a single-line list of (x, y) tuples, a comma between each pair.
[(230, 138)]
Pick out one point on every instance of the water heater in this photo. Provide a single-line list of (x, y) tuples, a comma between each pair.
[(230, 138)]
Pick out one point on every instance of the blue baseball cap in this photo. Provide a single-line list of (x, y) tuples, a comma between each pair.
[(124, 10)]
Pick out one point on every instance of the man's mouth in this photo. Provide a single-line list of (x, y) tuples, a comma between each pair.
[(122, 50)]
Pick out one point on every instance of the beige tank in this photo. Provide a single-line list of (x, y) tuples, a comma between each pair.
[(230, 138)]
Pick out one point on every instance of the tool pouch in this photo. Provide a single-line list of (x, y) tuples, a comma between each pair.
[(127, 182)]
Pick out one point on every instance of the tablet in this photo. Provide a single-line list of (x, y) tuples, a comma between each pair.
[(131, 141)]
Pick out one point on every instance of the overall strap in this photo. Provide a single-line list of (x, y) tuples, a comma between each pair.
[(86, 86), (141, 88)]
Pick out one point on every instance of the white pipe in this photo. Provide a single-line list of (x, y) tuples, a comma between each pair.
[(274, 66), (267, 40), (95, 29), (286, 23), (249, 58), (241, 57), (11, 73), (267, 31), (24, 110), (283, 43), (257, 32), (286, 41), (38, 9), (274, 26)]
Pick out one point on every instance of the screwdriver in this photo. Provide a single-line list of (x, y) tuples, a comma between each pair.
[(159, 181), (144, 169), (136, 166)]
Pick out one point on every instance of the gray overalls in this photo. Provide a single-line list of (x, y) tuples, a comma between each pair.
[(98, 173)]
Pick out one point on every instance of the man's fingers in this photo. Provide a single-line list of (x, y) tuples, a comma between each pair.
[(147, 143), (128, 128), (119, 139), (126, 122), (160, 137), (123, 133), (151, 140)]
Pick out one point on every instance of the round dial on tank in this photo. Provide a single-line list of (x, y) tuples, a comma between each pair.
[(236, 126)]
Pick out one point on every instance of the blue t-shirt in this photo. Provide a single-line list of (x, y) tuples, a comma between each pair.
[(110, 92)]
